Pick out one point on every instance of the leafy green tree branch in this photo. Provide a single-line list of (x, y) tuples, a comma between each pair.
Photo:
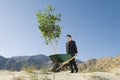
[(49, 26)]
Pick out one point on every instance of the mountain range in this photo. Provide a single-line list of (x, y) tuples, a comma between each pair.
[(17, 63)]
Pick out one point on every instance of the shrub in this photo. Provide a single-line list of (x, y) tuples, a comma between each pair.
[(29, 68)]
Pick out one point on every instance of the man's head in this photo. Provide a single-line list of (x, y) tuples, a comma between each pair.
[(69, 37)]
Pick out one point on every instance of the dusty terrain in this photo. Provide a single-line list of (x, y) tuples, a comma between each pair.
[(38, 75)]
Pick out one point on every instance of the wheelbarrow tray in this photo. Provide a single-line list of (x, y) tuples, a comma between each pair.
[(60, 58)]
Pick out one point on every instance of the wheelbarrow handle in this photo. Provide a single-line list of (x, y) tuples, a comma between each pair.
[(65, 62)]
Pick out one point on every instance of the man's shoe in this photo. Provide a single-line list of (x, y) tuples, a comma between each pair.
[(76, 71), (72, 72)]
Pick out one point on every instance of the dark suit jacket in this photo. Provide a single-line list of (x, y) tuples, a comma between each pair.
[(71, 48)]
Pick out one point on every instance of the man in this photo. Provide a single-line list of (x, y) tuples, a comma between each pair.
[(72, 50)]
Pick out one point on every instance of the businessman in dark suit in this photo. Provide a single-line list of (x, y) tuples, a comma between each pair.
[(72, 50)]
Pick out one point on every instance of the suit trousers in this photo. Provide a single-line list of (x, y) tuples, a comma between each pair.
[(73, 65)]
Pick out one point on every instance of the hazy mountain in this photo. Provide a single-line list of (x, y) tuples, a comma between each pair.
[(2, 62), (16, 63)]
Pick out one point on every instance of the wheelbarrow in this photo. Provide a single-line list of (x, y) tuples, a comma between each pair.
[(60, 60)]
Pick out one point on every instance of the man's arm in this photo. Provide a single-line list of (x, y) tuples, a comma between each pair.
[(75, 48), (67, 49)]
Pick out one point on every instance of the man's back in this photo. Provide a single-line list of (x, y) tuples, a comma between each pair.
[(71, 47)]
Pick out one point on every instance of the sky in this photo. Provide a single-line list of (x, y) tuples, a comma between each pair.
[(93, 24)]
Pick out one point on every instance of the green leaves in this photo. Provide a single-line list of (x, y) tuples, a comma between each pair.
[(48, 24)]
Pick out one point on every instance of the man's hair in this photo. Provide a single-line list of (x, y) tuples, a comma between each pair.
[(69, 36)]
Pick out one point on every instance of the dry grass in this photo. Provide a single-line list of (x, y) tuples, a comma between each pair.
[(29, 69), (105, 64)]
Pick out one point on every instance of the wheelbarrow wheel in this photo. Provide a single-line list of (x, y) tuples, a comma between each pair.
[(55, 66)]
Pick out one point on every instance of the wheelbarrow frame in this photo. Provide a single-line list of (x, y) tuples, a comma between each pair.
[(62, 62)]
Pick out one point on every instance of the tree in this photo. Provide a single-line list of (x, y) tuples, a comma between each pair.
[(49, 26)]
